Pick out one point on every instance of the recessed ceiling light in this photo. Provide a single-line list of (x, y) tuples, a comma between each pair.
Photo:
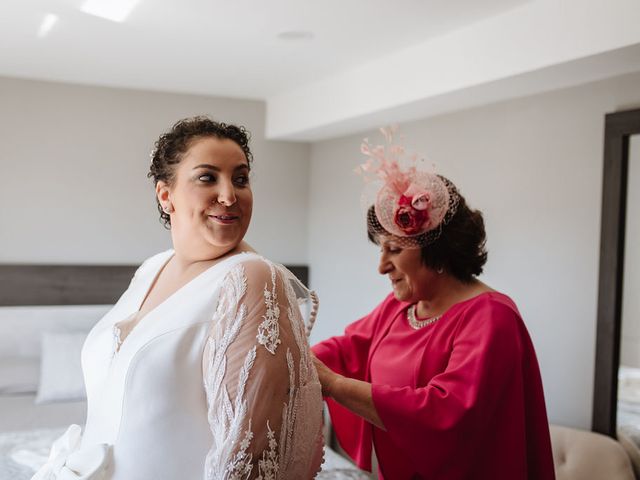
[(114, 10), (47, 24), (296, 35)]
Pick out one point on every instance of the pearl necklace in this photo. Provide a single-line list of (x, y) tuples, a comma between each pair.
[(418, 324)]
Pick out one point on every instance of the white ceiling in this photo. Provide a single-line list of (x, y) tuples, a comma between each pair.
[(227, 48), (387, 51)]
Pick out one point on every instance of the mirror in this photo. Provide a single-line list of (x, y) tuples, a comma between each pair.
[(628, 402), (618, 338)]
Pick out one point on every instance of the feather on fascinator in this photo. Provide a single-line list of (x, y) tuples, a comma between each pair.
[(409, 202)]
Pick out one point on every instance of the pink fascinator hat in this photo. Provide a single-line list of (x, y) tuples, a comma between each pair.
[(407, 201)]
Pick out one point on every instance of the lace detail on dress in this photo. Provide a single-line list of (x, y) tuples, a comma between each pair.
[(226, 418), (269, 329), (240, 466), (268, 465), (234, 434), (288, 418)]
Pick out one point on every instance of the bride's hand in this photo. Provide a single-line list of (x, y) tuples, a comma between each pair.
[(326, 376)]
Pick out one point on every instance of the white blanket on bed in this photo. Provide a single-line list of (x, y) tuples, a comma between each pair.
[(21, 453)]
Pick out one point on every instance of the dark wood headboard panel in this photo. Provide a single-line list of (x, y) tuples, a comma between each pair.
[(63, 284), (300, 271), (74, 284)]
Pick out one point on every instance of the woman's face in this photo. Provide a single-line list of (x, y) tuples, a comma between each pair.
[(410, 278), (210, 196)]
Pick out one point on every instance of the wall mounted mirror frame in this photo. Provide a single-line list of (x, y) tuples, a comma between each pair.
[(618, 129)]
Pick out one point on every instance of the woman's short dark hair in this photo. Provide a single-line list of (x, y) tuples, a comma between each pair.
[(460, 249), (172, 145)]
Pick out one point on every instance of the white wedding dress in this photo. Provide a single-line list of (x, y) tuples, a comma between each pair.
[(216, 382)]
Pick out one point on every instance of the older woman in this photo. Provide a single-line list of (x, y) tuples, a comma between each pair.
[(441, 377), (202, 369)]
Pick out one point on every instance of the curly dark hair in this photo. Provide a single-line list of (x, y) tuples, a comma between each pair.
[(460, 249), (172, 145)]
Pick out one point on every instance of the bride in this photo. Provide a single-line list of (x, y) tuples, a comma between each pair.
[(202, 369)]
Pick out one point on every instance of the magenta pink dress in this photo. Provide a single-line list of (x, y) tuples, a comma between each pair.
[(461, 398)]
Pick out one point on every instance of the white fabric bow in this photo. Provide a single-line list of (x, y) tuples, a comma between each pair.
[(67, 461)]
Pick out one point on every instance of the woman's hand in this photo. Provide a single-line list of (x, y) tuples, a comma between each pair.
[(353, 394), (327, 376)]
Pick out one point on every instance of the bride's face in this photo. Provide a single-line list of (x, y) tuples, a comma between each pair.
[(210, 195)]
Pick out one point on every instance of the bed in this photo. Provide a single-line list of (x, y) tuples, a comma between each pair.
[(628, 414), (45, 313)]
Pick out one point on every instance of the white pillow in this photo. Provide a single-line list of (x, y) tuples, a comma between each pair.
[(61, 377)]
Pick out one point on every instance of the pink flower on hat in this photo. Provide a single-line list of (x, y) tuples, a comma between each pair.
[(409, 219)]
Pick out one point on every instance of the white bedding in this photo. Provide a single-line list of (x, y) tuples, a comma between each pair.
[(19, 412), (628, 414), (21, 335), (16, 446), (21, 452), (27, 431)]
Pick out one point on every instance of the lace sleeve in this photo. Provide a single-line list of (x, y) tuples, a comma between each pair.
[(259, 381)]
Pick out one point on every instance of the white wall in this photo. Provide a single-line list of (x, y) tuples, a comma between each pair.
[(500, 57), (73, 165), (534, 167), (630, 335)]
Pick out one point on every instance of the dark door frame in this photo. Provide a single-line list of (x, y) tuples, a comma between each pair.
[(618, 128)]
